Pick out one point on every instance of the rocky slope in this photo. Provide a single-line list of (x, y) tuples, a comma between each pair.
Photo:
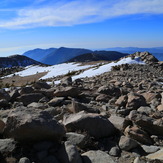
[(17, 60), (110, 118)]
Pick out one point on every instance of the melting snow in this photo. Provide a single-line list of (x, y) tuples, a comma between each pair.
[(62, 69)]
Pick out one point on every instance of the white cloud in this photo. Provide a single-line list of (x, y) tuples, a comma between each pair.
[(80, 12)]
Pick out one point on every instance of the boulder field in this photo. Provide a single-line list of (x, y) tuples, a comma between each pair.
[(116, 117)]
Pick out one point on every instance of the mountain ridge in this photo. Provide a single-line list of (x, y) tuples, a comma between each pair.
[(17, 60)]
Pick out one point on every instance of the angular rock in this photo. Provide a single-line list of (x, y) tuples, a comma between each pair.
[(76, 139), (160, 107), (32, 125), (156, 156), (4, 95), (26, 90), (37, 105), (41, 85), (68, 153), (77, 107), (150, 149), (29, 98), (14, 94), (94, 124), (138, 134), (135, 101), (119, 122), (96, 157), (150, 96), (127, 143), (102, 98), (67, 91), (66, 81), (7, 145), (121, 101), (55, 101), (149, 124)]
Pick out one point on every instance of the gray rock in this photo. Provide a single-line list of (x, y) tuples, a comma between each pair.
[(66, 81), (145, 109), (76, 139), (37, 105), (114, 151), (77, 107), (96, 157), (157, 155), (24, 160), (55, 101), (32, 125), (7, 145), (29, 98), (150, 149), (68, 153), (94, 124), (119, 122), (127, 143), (138, 160)]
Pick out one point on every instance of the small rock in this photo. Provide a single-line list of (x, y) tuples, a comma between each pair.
[(24, 160), (150, 149), (127, 143)]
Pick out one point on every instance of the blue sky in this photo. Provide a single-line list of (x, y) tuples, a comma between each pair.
[(93, 24)]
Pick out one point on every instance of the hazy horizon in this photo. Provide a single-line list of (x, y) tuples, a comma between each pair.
[(90, 24)]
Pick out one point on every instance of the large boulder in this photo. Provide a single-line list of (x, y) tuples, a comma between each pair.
[(29, 98), (32, 125), (94, 124), (96, 157)]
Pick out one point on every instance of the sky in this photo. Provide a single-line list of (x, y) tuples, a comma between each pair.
[(92, 24)]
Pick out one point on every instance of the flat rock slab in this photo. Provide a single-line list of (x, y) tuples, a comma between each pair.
[(94, 124)]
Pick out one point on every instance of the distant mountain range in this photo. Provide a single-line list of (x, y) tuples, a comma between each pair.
[(17, 60), (98, 55), (54, 56), (156, 51)]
